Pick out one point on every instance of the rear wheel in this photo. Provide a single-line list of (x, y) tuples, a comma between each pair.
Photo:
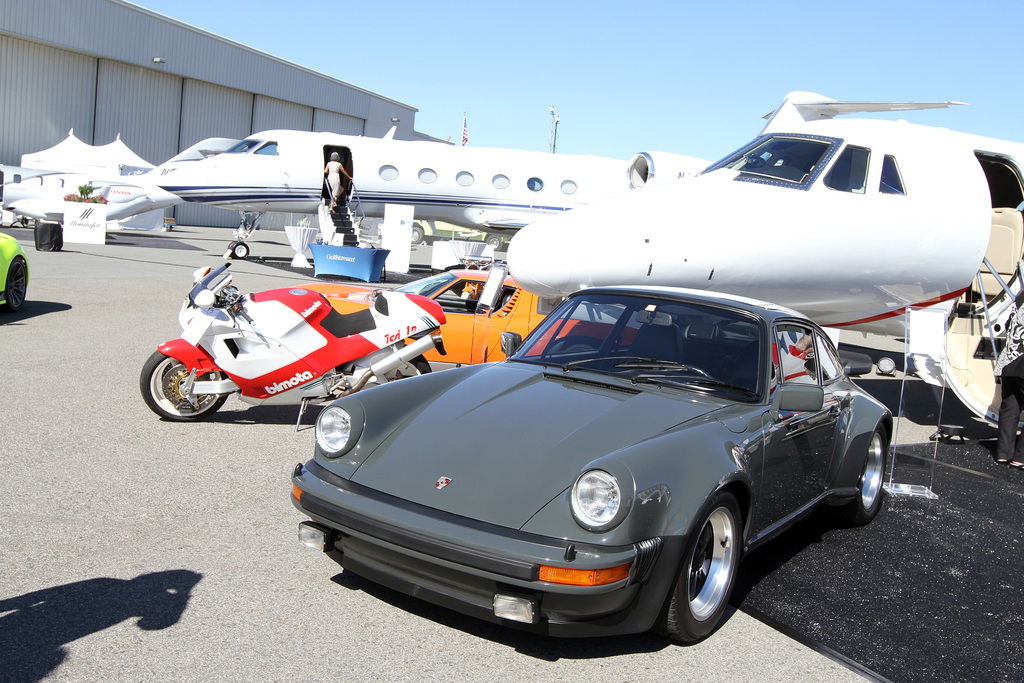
[(868, 502), (161, 384), (417, 366), (701, 593), (16, 285)]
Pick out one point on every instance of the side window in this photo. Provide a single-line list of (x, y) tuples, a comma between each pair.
[(795, 350), (269, 149), (461, 297), (892, 182), (850, 172), (828, 364)]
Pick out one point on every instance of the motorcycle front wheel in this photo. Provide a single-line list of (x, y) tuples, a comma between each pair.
[(161, 381)]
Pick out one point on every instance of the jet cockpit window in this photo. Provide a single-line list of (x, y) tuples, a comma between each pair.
[(243, 147), (850, 172), (782, 160), (892, 182), (269, 149)]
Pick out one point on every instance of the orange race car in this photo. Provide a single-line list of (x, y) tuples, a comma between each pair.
[(469, 337)]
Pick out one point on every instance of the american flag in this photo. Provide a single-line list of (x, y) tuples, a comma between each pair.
[(465, 131)]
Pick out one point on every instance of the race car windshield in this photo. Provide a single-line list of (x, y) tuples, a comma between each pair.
[(427, 285)]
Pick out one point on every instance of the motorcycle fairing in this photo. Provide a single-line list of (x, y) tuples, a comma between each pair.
[(193, 357)]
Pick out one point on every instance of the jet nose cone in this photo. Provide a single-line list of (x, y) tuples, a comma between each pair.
[(540, 260)]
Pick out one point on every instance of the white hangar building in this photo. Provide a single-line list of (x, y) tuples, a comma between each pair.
[(107, 67)]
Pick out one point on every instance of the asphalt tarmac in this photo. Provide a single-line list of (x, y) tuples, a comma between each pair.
[(137, 549)]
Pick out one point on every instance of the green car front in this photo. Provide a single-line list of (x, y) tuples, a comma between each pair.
[(13, 273)]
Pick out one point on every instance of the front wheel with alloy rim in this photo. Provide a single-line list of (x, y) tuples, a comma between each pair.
[(700, 596), (865, 506), (16, 285), (163, 389)]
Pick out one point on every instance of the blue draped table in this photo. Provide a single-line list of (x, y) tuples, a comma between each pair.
[(356, 262)]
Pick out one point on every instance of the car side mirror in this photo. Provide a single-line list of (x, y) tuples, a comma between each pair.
[(797, 398), (510, 341)]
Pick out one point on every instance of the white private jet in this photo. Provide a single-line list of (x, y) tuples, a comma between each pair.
[(852, 222), (41, 196), (495, 190)]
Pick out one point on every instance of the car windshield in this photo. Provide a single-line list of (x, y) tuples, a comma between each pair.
[(428, 285), (652, 340)]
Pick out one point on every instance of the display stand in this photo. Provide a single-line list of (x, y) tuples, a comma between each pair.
[(85, 223), (924, 352), (355, 262)]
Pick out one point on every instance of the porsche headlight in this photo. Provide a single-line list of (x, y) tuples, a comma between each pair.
[(334, 430), (596, 499)]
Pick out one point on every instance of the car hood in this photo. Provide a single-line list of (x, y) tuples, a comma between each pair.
[(511, 439)]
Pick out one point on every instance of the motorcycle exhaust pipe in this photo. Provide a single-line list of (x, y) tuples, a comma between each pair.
[(389, 363)]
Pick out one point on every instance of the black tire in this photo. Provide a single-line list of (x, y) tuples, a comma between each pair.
[(700, 596), (868, 502), (16, 285), (417, 234), (240, 251), (159, 383), (494, 241)]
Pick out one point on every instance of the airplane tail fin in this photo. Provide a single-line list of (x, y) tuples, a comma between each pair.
[(799, 107)]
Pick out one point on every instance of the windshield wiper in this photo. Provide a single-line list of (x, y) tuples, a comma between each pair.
[(583, 361), (652, 364), (668, 379)]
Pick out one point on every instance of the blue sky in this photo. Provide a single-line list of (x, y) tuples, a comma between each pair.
[(685, 77)]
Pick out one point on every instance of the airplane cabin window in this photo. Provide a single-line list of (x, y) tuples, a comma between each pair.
[(464, 178), (243, 146), (427, 175), (388, 173), (850, 172), (892, 182), (568, 187), (500, 181), (270, 149), (782, 158), (535, 184)]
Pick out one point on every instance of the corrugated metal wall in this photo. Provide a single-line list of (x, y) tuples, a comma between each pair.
[(44, 92), (331, 122), (271, 113), (110, 67), (142, 106)]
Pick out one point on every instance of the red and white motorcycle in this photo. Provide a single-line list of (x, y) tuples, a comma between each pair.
[(284, 346)]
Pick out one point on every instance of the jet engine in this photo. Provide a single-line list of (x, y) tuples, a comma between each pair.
[(645, 167)]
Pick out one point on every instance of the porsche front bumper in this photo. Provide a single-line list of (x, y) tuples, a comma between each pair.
[(478, 568)]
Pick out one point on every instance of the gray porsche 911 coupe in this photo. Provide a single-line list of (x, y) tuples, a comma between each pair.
[(609, 475)]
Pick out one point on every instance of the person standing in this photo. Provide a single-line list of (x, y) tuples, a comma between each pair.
[(334, 171), (1010, 369)]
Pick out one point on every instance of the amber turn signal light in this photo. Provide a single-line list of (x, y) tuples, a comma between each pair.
[(584, 577)]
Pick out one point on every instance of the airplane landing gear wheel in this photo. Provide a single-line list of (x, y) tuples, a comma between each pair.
[(238, 250)]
